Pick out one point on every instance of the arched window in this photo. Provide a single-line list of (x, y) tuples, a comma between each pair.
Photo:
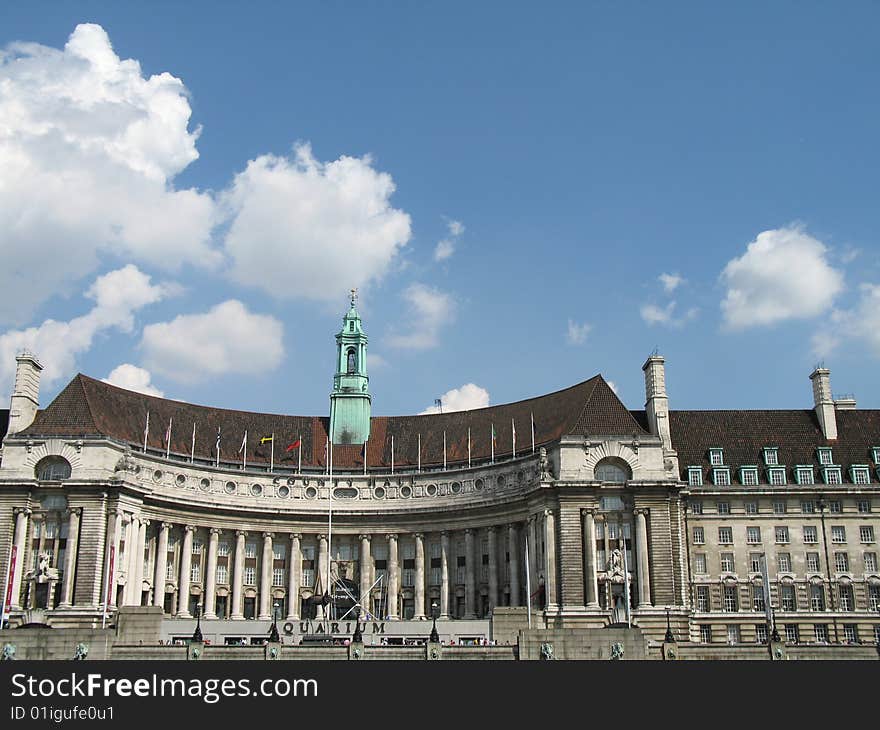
[(52, 469), (352, 362), (614, 471)]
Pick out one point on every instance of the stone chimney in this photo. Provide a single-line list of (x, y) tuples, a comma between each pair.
[(25, 393), (656, 401), (824, 403)]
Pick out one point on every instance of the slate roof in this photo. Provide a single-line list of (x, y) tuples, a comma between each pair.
[(89, 407)]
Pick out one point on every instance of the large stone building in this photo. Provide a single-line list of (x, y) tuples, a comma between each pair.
[(592, 513)]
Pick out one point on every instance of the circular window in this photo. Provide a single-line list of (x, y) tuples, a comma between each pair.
[(379, 492), (205, 484), (181, 480), (283, 491), (612, 470), (501, 481), (53, 469), (157, 475), (478, 485), (431, 490), (406, 492), (311, 493), (256, 490), (456, 487), (230, 487)]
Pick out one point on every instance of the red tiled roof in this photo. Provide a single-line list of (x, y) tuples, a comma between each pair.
[(89, 407)]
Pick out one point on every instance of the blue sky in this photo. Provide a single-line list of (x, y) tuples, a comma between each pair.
[(570, 155)]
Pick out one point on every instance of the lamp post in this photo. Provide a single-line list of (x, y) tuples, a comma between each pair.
[(357, 637), (197, 634), (435, 637), (273, 629)]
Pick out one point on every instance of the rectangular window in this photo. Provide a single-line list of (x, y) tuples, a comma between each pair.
[(758, 598), (810, 535), (771, 455), (760, 633), (278, 551), (725, 535), (222, 574), (847, 599), (695, 476), (748, 476), (813, 562), (250, 549), (697, 507), (870, 562), (716, 456), (699, 537), (731, 602), (706, 633), (875, 454), (723, 508), (197, 547), (835, 506), (435, 576), (838, 534), (733, 634), (788, 597), (850, 633), (195, 572), (308, 577), (721, 477), (792, 635), (781, 534), (817, 597), (866, 533), (700, 563), (824, 455), (808, 507), (860, 475), (864, 506), (804, 475), (250, 575), (277, 576), (874, 598), (753, 535), (776, 476), (783, 561), (751, 508), (222, 549), (754, 562), (841, 562), (780, 508), (832, 475), (703, 599), (820, 633), (726, 562)]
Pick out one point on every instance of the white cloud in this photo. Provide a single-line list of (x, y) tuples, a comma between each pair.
[(304, 228), (446, 247), (784, 274), (670, 282), (577, 333), (376, 362), (861, 324), (226, 339), (118, 295), (465, 398), (131, 377), (429, 310), (653, 314), (612, 385), (89, 148)]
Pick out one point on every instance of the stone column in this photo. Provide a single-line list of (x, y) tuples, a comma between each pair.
[(323, 562), (470, 584), (266, 563), (493, 568), (70, 557), (365, 574), (184, 580), (20, 539), (161, 565), (643, 568), (131, 531), (444, 575), (592, 595), (513, 551), (238, 576), (393, 577), (295, 577), (114, 534), (531, 537), (210, 597), (419, 592), (138, 588), (550, 557)]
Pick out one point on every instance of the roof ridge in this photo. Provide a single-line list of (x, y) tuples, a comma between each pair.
[(619, 405)]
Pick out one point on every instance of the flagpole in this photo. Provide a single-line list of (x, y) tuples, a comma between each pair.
[(469, 447), (532, 416), (244, 452), (329, 517), (392, 453), (419, 468), (217, 449), (365, 457), (192, 453), (272, 454), (493, 443), (513, 436), (168, 437), (299, 465), (146, 432)]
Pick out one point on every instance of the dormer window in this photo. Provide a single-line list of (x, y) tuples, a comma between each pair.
[(716, 456), (695, 476), (860, 474), (875, 454), (748, 476), (776, 476), (721, 477), (832, 475), (803, 474), (824, 456), (771, 456)]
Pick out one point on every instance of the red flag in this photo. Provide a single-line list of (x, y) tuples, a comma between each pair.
[(294, 445)]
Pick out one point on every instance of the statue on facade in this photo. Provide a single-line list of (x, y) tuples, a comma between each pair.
[(546, 468), (44, 561), (547, 652), (616, 650), (8, 653), (615, 565), (126, 462), (80, 652)]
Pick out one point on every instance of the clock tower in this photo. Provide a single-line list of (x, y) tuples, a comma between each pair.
[(350, 400)]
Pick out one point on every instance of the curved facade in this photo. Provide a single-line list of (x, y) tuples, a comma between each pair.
[(589, 512)]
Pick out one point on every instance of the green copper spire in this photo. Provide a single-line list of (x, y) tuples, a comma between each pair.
[(350, 400)]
